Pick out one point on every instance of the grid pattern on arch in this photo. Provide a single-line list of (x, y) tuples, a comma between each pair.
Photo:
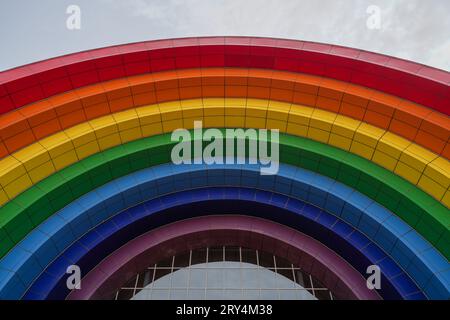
[(223, 272)]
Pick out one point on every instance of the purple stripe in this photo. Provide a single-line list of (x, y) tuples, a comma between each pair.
[(256, 233)]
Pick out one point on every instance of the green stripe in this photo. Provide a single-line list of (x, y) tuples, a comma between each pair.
[(429, 217)]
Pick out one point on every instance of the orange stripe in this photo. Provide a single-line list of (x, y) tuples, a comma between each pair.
[(24, 126)]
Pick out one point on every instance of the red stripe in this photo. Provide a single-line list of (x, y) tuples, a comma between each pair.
[(405, 79)]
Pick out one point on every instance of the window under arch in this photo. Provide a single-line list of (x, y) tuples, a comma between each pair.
[(221, 273)]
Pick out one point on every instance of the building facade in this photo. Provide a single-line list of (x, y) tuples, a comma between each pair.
[(87, 183)]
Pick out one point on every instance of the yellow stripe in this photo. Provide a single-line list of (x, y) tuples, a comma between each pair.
[(30, 165)]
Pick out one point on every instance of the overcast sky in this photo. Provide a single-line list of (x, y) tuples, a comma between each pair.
[(419, 30)]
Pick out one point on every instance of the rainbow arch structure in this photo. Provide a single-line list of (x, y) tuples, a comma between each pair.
[(86, 176)]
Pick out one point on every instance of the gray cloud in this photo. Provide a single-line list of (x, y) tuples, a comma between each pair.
[(411, 29)]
